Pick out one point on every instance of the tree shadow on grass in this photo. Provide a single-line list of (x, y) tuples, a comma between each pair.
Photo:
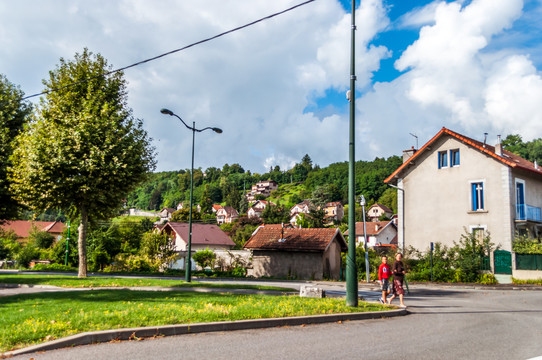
[(110, 296)]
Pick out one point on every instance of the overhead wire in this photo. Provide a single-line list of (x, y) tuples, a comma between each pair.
[(172, 51)]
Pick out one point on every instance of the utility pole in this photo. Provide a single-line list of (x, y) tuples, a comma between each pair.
[(351, 271)]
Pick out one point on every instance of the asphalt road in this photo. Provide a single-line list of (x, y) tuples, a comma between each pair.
[(443, 324)]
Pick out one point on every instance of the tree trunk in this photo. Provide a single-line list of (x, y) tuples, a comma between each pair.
[(82, 243)]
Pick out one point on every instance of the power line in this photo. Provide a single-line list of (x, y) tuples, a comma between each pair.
[(172, 51)]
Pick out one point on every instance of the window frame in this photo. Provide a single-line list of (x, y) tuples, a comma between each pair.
[(452, 158), (476, 196), (442, 159)]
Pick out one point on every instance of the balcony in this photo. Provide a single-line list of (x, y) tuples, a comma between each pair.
[(528, 213)]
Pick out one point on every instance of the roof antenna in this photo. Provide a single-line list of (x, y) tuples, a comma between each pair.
[(416, 140), (485, 139)]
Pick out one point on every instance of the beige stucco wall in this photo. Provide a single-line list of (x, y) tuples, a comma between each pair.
[(438, 201)]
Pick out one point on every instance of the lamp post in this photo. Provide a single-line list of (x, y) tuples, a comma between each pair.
[(351, 271), (188, 262), (362, 203)]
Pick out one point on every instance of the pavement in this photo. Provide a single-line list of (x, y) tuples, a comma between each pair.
[(367, 292)]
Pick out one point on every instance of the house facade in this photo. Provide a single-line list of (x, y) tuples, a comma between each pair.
[(204, 236), (226, 215), (454, 183), (262, 188), (375, 211), (256, 210), (310, 254), (334, 212), (379, 233), (303, 207)]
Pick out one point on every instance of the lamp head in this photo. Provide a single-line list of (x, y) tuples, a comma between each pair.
[(217, 130), (166, 111), (362, 200)]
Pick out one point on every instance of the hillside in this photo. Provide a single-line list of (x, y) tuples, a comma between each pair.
[(303, 181)]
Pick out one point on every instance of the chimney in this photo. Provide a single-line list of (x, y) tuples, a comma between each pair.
[(485, 139), (498, 147), (407, 154)]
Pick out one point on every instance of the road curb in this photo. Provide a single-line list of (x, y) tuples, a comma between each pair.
[(172, 330)]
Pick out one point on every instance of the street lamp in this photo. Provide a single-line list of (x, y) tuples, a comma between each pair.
[(362, 203), (188, 262)]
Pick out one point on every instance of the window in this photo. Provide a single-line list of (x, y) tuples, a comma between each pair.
[(477, 196), (442, 159), (454, 157)]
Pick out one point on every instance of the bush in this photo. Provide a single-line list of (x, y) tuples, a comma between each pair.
[(54, 267), (42, 239), (26, 255), (204, 258), (487, 279), (9, 246), (470, 254), (523, 244)]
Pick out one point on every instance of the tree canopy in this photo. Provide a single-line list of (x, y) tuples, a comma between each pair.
[(84, 150), (14, 113)]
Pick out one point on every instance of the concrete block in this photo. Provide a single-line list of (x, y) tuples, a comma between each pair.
[(311, 291)]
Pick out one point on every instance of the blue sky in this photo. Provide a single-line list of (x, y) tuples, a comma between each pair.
[(277, 89)]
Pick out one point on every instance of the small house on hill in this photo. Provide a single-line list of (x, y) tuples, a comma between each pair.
[(311, 254)]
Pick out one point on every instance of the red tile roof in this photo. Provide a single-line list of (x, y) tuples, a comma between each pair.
[(268, 237), (373, 227), (508, 158), (202, 234), (22, 228)]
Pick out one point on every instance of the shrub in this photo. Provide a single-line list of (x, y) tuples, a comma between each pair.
[(470, 253), (54, 267), (204, 258), (523, 244), (487, 279), (26, 255)]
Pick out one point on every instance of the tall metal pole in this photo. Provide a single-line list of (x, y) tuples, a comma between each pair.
[(188, 262), (188, 267), (351, 271)]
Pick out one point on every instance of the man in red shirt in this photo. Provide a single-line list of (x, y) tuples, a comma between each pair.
[(384, 273)]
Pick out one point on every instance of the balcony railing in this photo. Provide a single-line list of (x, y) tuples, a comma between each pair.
[(528, 213)]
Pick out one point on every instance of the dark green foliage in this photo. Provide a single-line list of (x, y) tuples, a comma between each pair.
[(14, 113), (443, 264), (42, 239), (531, 150), (59, 252), (28, 253), (9, 246), (470, 253), (276, 214), (241, 230)]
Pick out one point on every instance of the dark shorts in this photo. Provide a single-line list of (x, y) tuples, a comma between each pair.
[(398, 287), (385, 284)]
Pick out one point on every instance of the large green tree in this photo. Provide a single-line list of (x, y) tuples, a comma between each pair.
[(13, 114), (84, 151)]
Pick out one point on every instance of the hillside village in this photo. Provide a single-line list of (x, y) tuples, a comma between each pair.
[(292, 223)]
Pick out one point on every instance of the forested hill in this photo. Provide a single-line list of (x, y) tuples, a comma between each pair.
[(304, 181)]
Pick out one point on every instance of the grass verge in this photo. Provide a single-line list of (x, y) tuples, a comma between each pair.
[(34, 318), (527, 282), (75, 282)]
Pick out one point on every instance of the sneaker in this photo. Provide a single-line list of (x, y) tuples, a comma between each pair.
[(381, 300), (403, 306)]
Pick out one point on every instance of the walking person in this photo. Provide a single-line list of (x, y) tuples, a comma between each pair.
[(398, 270), (384, 274)]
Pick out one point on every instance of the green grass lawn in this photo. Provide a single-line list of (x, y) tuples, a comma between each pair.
[(34, 318), (75, 282)]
